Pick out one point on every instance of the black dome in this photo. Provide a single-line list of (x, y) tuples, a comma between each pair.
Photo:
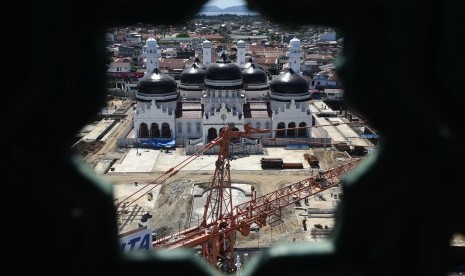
[(223, 69), (253, 74), (289, 82), (156, 83), (193, 74)]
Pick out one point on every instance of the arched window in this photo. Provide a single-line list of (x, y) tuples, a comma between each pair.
[(179, 128), (257, 125), (197, 128), (267, 125), (189, 128)]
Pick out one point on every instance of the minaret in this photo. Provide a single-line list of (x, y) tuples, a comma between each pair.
[(207, 52), (295, 54), (151, 55), (241, 53)]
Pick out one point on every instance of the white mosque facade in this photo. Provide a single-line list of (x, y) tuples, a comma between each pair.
[(212, 94)]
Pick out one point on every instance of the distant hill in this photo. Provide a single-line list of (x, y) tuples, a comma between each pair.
[(233, 9), (210, 9)]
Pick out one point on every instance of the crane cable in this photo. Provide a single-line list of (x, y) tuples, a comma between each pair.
[(172, 171)]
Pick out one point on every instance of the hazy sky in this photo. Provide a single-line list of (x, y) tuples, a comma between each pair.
[(225, 3)]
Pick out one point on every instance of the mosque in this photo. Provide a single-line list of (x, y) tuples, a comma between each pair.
[(212, 94)]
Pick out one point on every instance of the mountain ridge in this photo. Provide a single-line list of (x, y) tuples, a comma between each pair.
[(238, 8)]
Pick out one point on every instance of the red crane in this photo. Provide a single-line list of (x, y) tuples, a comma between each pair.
[(221, 220)]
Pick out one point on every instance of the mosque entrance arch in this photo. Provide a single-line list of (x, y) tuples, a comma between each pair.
[(280, 132), (235, 139), (212, 134), (143, 130), (291, 130), (165, 130), (302, 132), (154, 130)]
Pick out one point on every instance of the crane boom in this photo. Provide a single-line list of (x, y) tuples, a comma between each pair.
[(221, 221)]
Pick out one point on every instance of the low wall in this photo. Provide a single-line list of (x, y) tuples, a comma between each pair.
[(311, 141)]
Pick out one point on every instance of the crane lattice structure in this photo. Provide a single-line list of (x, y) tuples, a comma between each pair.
[(221, 220)]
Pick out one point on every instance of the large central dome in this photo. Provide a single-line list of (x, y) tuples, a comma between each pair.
[(223, 74), (223, 69)]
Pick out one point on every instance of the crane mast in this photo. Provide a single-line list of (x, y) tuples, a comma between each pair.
[(219, 250), (221, 221)]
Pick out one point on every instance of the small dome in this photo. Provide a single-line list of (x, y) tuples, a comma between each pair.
[(241, 43), (156, 83), (253, 74), (223, 69), (192, 75), (289, 82), (207, 44), (151, 42), (295, 43)]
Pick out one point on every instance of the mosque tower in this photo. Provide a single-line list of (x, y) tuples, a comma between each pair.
[(241, 49), (295, 55), (207, 52), (151, 55)]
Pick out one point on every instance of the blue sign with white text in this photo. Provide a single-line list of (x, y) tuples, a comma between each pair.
[(141, 240)]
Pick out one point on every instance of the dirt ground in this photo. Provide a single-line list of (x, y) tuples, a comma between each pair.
[(174, 199)]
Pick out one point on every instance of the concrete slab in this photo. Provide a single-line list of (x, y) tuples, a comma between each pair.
[(151, 160), (136, 160)]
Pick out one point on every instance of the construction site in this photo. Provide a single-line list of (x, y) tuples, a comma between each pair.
[(227, 207)]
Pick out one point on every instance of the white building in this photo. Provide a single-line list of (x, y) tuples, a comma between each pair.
[(212, 94), (120, 65)]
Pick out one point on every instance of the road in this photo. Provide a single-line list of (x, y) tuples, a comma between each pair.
[(110, 142)]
